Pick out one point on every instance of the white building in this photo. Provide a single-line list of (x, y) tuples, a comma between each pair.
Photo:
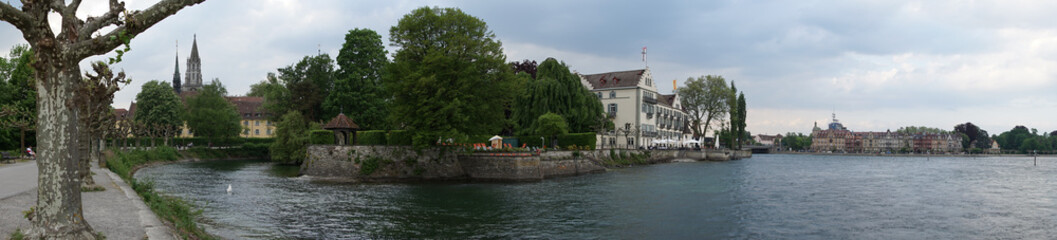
[(642, 116)]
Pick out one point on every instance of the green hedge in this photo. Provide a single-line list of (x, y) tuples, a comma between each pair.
[(578, 139), (321, 137), (400, 138), (373, 137)]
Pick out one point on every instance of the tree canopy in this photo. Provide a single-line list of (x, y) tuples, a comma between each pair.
[(551, 125), (309, 82), (557, 90), (210, 115), (448, 78), (705, 99), (357, 88), (158, 105), (291, 137), (18, 94)]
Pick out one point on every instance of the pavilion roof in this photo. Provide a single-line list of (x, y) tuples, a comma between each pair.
[(341, 122)]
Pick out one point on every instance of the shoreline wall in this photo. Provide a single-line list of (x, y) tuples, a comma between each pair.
[(404, 163)]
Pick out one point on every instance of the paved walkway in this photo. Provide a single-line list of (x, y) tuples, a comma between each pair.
[(117, 212)]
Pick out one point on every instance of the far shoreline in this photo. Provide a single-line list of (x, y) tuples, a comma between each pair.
[(960, 155)]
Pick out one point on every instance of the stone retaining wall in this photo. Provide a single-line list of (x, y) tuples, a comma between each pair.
[(386, 163)]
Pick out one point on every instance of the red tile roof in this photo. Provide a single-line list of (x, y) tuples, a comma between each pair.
[(615, 79), (249, 107), (341, 122)]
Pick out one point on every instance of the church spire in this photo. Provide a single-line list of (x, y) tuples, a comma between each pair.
[(193, 76), (176, 72)]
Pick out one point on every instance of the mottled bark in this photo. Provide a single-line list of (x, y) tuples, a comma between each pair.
[(58, 213)]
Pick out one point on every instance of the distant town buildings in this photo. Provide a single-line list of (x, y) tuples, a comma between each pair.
[(768, 140), (255, 123), (837, 138), (642, 116)]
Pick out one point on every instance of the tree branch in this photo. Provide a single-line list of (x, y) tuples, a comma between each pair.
[(74, 5), (16, 17), (109, 18), (135, 23)]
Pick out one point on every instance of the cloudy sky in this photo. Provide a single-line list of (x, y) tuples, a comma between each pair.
[(878, 64)]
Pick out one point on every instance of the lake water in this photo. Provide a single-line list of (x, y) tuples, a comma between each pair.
[(764, 197)]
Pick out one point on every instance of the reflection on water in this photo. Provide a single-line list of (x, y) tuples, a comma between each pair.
[(766, 197)]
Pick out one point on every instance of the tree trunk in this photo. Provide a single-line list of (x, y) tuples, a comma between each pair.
[(59, 214), (85, 162), (23, 139)]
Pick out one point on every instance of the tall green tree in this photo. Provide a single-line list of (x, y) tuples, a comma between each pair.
[(157, 106), (291, 138), (309, 82), (56, 61), (743, 136), (449, 77), (277, 98), (357, 88), (210, 115), (732, 102), (704, 99), (18, 93), (557, 90), (551, 125)]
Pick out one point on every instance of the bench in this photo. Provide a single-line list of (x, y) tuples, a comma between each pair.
[(6, 157)]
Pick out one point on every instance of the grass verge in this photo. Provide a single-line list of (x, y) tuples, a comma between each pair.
[(180, 213)]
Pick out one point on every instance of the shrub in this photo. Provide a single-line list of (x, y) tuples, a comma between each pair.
[(321, 137), (400, 138), (374, 137), (584, 140)]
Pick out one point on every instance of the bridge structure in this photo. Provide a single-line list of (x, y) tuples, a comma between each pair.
[(759, 149)]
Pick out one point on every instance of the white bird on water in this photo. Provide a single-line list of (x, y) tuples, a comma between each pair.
[(229, 188)]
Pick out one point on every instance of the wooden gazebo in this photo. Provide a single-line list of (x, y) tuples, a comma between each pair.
[(343, 127)]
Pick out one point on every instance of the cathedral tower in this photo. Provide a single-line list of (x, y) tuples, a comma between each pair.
[(176, 74), (193, 79)]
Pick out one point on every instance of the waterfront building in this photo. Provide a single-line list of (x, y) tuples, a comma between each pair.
[(641, 115), (839, 139)]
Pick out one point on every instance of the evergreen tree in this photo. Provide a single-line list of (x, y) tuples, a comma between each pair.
[(742, 134)]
